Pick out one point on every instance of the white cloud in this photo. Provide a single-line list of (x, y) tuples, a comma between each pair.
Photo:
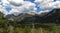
[(19, 6), (44, 11), (22, 6), (38, 1), (15, 2), (48, 4), (26, 7)]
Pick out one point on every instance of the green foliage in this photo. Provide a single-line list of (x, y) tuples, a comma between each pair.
[(23, 24)]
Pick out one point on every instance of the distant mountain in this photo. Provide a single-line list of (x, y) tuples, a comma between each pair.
[(53, 16), (18, 17)]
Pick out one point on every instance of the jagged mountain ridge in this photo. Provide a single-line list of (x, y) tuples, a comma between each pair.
[(52, 16), (20, 16)]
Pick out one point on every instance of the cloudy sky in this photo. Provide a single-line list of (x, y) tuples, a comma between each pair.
[(24, 6)]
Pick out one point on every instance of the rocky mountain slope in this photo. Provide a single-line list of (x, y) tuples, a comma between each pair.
[(53, 16)]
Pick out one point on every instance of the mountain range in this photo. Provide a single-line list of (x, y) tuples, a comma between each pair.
[(53, 16)]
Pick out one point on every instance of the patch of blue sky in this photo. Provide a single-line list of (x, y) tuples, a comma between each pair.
[(30, 0), (38, 8), (8, 9), (0, 0), (56, 0)]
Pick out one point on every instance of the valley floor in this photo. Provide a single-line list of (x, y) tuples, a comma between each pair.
[(32, 28)]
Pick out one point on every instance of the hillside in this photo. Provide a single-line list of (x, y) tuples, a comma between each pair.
[(51, 17), (27, 23)]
